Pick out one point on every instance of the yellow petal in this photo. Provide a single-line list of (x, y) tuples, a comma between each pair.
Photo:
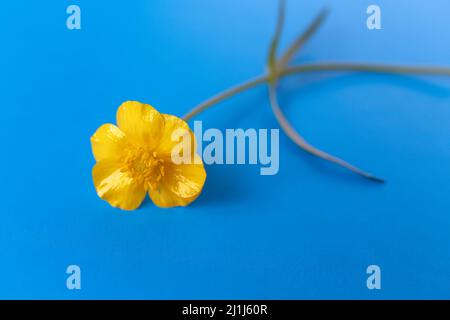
[(142, 123), (180, 185), (116, 186), (184, 135), (108, 142)]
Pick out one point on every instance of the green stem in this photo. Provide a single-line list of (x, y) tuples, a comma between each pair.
[(225, 95), (322, 67), (305, 145), (303, 38), (366, 67)]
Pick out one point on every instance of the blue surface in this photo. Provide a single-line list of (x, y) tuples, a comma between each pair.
[(308, 232)]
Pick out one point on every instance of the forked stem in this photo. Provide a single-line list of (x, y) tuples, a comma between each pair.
[(278, 68), (322, 67)]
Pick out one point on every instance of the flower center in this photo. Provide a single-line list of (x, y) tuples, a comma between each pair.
[(144, 166)]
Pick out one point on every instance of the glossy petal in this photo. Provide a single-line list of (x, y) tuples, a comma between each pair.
[(167, 143), (116, 186), (108, 142), (181, 185), (142, 124)]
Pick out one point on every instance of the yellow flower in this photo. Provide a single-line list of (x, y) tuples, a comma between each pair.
[(134, 158)]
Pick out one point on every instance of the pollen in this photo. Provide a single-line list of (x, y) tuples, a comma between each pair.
[(144, 166)]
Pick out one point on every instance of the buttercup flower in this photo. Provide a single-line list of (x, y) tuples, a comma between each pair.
[(135, 158)]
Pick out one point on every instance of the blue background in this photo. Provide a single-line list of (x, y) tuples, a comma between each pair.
[(308, 232)]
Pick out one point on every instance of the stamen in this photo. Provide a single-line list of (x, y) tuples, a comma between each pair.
[(144, 166)]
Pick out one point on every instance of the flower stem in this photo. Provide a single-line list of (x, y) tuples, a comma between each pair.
[(318, 67), (305, 145), (367, 67), (224, 95), (303, 38)]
